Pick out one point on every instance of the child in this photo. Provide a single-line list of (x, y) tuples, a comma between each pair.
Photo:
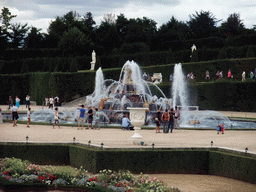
[(56, 118), (28, 115), (97, 119)]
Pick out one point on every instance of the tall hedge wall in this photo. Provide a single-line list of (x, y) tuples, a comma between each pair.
[(217, 95)]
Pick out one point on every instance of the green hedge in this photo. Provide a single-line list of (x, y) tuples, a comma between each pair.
[(211, 95), (232, 166), (193, 161), (48, 154)]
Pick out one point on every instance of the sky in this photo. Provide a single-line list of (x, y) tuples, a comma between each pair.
[(40, 13)]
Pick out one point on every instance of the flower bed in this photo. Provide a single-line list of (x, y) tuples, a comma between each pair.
[(13, 171)]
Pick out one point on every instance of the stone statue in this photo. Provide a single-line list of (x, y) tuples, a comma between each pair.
[(93, 60), (193, 48)]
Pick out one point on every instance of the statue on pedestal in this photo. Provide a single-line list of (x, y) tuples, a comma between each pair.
[(93, 60)]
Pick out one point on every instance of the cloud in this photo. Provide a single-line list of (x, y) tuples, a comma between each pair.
[(39, 13)]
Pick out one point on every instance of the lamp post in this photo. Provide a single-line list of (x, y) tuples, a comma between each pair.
[(153, 145), (246, 149), (102, 145), (74, 139), (27, 139), (89, 143), (211, 144)]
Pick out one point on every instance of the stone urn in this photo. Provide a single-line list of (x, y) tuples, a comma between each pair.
[(137, 117)]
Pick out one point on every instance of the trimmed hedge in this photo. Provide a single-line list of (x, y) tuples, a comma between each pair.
[(241, 167), (232, 166), (49, 154)]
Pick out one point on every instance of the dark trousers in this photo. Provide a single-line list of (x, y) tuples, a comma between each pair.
[(171, 125)]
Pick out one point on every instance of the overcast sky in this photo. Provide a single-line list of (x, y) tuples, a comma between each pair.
[(39, 13)]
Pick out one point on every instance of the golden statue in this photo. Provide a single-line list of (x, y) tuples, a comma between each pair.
[(102, 103)]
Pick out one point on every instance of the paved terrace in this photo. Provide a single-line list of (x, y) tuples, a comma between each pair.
[(116, 138)]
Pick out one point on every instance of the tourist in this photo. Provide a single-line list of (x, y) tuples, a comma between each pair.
[(1, 117), (229, 74), (221, 75), (176, 118), (207, 75), (17, 101), (46, 101), (171, 120), (158, 118), (97, 119), (27, 101), (171, 77), (28, 116), (57, 101), (56, 118), (81, 117), (149, 78), (165, 118), (14, 114), (243, 76), (51, 101), (145, 76), (125, 123), (10, 102), (217, 75), (90, 117), (251, 75)]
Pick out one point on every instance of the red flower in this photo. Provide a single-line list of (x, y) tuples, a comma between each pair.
[(6, 173)]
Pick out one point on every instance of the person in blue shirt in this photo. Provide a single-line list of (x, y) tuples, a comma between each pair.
[(81, 117), (125, 123)]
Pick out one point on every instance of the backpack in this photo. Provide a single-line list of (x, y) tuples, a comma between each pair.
[(165, 116)]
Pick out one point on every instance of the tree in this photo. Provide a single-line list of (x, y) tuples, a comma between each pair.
[(17, 34), (171, 34), (62, 24), (73, 42), (6, 18), (233, 25), (34, 39), (122, 24), (106, 38), (202, 25)]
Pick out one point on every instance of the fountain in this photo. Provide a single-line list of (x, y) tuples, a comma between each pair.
[(116, 98)]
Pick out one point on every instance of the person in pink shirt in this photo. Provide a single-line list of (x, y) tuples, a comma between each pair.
[(229, 74)]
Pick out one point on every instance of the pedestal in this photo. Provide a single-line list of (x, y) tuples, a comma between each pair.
[(137, 117), (92, 66)]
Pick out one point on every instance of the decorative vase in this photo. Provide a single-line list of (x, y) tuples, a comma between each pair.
[(137, 117)]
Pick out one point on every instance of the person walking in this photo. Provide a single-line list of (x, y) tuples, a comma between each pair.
[(165, 119), (1, 117), (171, 120), (27, 101), (125, 123), (17, 101), (229, 74), (14, 114), (97, 119), (243, 76), (81, 117), (90, 117), (51, 101), (158, 118), (56, 118), (10, 102), (28, 116), (176, 118)]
